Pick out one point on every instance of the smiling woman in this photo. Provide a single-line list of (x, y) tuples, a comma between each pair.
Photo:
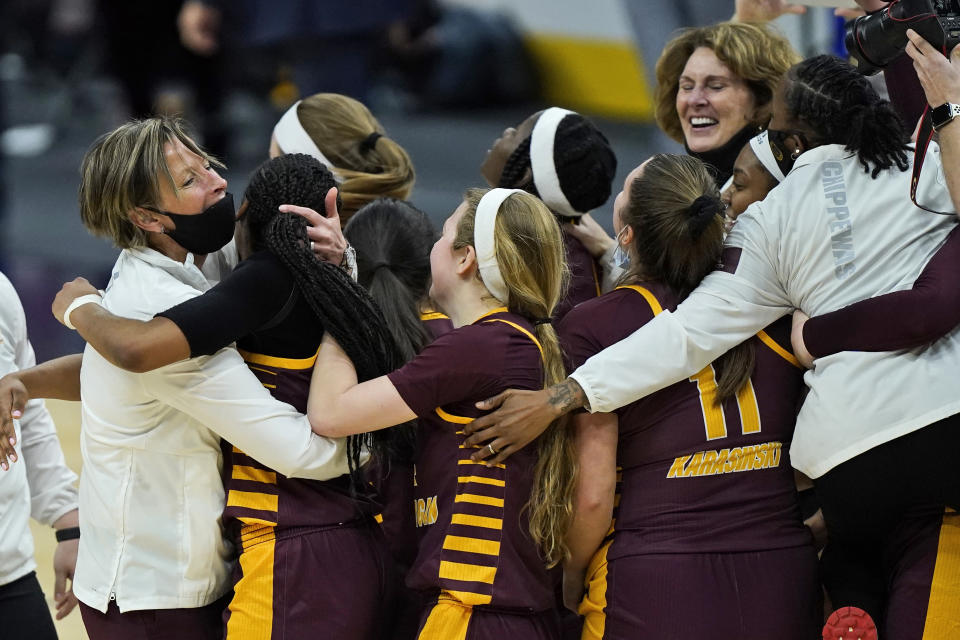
[(715, 85)]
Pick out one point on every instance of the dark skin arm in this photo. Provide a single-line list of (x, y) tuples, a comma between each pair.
[(519, 417), (134, 345), (58, 379)]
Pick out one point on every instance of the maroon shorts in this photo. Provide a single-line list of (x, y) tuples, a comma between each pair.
[(449, 619), (201, 623), (308, 582), (721, 596)]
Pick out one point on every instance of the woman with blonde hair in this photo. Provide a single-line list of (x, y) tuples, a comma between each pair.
[(715, 85), (486, 533), (341, 133)]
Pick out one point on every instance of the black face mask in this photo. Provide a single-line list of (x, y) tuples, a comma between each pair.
[(785, 160), (204, 232), (723, 157)]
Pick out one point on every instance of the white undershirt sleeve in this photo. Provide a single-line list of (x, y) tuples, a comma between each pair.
[(220, 392)]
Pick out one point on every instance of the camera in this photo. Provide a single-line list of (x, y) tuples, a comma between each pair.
[(875, 40)]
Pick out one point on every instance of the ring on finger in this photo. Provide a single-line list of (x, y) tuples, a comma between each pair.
[(492, 451), (311, 246)]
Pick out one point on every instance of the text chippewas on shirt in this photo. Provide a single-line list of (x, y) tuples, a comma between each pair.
[(474, 543)]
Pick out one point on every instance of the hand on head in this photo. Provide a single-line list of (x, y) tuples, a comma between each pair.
[(938, 76), (326, 237)]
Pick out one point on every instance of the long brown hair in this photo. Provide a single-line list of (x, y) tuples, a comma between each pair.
[(675, 212), (341, 128), (530, 253)]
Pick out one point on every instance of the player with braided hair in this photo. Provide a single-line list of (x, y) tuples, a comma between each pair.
[(277, 305), (485, 532), (562, 158), (824, 105)]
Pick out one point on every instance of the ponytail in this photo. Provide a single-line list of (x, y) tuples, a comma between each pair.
[(370, 167), (342, 306), (840, 106), (530, 255), (393, 241), (676, 215)]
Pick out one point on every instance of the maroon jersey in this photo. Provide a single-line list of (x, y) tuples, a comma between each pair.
[(396, 490), (435, 323), (584, 276), (698, 477), (474, 543), (258, 495)]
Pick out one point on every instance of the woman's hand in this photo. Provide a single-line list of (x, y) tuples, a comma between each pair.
[(939, 78), (591, 234), (796, 339), (520, 417), (13, 401), (68, 293), (326, 237), (764, 10)]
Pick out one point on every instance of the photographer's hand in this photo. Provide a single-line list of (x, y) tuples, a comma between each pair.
[(940, 79)]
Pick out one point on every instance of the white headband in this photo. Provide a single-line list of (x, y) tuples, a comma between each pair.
[(760, 144), (541, 161), (483, 241), (293, 138)]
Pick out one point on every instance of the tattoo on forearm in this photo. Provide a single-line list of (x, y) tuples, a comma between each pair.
[(566, 396)]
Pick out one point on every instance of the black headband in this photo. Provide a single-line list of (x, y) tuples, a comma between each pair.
[(369, 142)]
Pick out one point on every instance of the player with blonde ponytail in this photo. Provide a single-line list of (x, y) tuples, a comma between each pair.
[(486, 533)]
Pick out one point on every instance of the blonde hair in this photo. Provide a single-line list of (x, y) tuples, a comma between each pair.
[(339, 126), (530, 253), (122, 170), (756, 53)]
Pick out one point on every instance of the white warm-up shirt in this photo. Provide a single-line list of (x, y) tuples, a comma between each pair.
[(39, 484), (151, 495), (826, 237)]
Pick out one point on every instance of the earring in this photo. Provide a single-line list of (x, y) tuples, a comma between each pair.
[(795, 154)]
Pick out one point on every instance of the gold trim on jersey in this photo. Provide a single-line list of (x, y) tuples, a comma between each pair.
[(521, 330), (651, 299), (472, 545), (594, 603), (449, 619), (476, 521), (253, 500), (291, 364), (433, 315), (941, 620), (449, 417), (251, 608), (490, 313), (253, 474), (777, 349), (464, 572)]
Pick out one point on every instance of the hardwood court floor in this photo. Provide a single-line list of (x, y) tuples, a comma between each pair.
[(67, 417)]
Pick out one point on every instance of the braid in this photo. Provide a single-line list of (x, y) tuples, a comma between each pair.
[(839, 105), (341, 305), (584, 161), (515, 170)]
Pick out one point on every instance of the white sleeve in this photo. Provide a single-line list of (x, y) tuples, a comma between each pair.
[(220, 392), (730, 305), (51, 481)]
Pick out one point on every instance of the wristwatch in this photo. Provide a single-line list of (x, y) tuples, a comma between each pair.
[(944, 114)]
